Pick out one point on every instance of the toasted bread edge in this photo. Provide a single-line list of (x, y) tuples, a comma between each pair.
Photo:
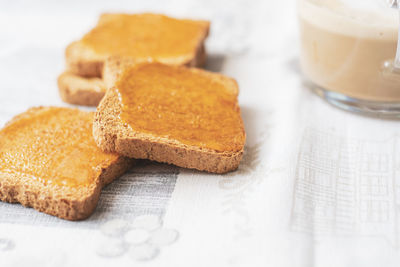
[(112, 136), (77, 90), (60, 201)]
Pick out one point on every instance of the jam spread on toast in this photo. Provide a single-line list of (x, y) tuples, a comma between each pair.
[(145, 36), (190, 106), (54, 146)]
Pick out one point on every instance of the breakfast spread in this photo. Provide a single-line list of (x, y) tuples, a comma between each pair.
[(49, 161), (152, 106), (141, 37), (187, 117)]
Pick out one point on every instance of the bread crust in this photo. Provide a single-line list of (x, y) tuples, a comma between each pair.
[(77, 90), (112, 135), (80, 84), (71, 203), (83, 61)]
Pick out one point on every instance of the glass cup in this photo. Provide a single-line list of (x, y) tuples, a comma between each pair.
[(348, 53)]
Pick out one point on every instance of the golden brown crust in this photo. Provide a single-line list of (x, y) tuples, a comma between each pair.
[(111, 134), (71, 203), (83, 61), (113, 67), (77, 90), (86, 91), (63, 202)]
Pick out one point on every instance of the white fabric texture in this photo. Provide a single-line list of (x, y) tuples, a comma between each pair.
[(317, 186)]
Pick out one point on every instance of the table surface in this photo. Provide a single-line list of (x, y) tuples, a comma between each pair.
[(317, 186)]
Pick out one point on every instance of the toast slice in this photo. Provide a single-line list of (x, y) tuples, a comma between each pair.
[(141, 37), (79, 90), (113, 67), (173, 114), (49, 161)]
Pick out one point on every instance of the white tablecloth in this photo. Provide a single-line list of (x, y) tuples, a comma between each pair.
[(317, 186)]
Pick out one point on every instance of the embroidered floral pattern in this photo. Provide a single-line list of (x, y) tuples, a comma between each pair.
[(142, 239)]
